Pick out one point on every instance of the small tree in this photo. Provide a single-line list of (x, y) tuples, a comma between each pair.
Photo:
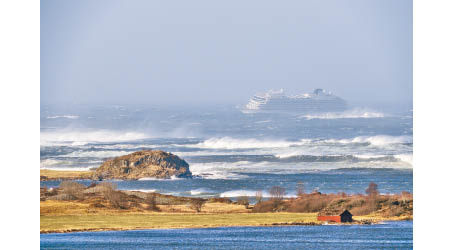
[(74, 189), (113, 196), (197, 204), (258, 196), (243, 200), (277, 193), (372, 190), (151, 202), (300, 189)]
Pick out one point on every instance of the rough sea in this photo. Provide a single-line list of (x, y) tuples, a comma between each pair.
[(232, 154)]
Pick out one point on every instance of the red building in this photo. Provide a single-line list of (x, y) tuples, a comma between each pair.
[(345, 216)]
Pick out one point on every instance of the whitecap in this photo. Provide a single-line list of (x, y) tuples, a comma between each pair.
[(233, 143), (63, 116), (349, 114), (96, 154), (73, 137)]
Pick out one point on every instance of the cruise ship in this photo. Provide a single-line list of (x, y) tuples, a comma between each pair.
[(277, 102)]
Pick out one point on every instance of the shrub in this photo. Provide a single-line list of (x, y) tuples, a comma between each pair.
[(243, 200), (197, 204), (270, 206), (372, 190), (151, 203), (310, 203), (73, 189), (116, 198), (264, 207)]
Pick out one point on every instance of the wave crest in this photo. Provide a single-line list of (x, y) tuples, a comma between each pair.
[(77, 138), (233, 143), (350, 114)]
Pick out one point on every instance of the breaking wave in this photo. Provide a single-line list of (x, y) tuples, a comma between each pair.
[(63, 116), (378, 140), (250, 193), (408, 158), (96, 154), (233, 143), (350, 114), (201, 191), (65, 137), (230, 143)]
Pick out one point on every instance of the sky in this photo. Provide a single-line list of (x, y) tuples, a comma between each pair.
[(223, 52)]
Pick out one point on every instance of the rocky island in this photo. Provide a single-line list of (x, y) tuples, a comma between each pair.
[(141, 164)]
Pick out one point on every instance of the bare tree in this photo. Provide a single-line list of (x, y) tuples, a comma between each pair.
[(277, 193), (258, 196), (151, 202), (197, 204), (243, 200), (114, 197), (372, 190), (73, 189), (300, 189)]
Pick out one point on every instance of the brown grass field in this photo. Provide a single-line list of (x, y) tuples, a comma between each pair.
[(47, 174)]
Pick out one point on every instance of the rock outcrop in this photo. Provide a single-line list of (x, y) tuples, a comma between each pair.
[(142, 164)]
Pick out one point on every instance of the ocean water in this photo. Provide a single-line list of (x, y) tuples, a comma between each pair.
[(233, 154), (389, 235)]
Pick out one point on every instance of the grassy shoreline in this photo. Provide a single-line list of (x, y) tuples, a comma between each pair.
[(122, 222), (74, 207), (118, 222), (47, 174)]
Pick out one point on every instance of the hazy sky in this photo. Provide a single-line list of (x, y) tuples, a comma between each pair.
[(192, 52)]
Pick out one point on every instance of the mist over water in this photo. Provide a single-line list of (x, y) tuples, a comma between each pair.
[(231, 153)]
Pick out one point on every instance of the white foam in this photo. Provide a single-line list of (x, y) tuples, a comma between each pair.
[(237, 193), (233, 143), (143, 190), (148, 179), (350, 114), (378, 140), (97, 154), (125, 146), (172, 178), (200, 191), (50, 162), (251, 193), (408, 158), (72, 137), (63, 116)]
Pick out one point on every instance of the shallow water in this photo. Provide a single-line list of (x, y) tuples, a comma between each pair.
[(390, 235)]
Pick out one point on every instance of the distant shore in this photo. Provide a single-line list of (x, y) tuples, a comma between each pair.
[(47, 175)]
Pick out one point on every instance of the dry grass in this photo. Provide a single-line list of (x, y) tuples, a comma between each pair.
[(65, 175), (67, 223), (100, 206)]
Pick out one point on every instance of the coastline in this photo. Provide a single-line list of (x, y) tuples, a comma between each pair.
[(127, 222), (212, 225)]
